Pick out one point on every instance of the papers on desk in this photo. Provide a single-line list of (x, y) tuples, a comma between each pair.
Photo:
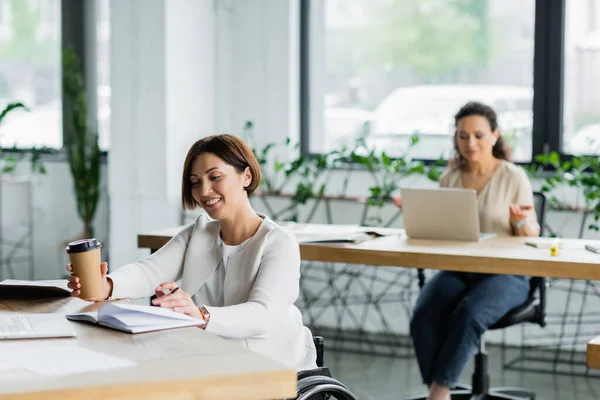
[(53, 292), (132, 318), (58, 359), (544, 243), (16, 289), (324, 233), (350, 237)]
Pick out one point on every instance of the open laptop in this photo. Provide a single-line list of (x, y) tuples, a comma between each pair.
[(442, 213), (34, 326)]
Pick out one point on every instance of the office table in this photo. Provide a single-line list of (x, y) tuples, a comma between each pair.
[(186, 363), (499, 255), (593, 353)]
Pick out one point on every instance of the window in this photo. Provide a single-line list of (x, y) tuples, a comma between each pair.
[(581, 133), (103, 54), (30, 72), (388, 69)]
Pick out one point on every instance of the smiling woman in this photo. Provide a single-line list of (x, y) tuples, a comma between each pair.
[(206, 179), (239, 270)]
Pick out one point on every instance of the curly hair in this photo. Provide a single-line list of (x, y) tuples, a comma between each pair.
[(500, 150)]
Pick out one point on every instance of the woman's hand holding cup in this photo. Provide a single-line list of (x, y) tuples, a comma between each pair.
[(75, 284), (88, 274)]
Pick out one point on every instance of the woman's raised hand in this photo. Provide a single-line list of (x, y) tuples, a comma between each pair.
[(397, 200), (518, 213)]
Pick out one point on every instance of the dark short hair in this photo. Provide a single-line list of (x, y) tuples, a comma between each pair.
[(231, 149), (500, 150)]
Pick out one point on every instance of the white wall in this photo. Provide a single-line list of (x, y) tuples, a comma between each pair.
[(162, 71)]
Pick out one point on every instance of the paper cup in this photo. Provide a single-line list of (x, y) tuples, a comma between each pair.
[(85, 260)]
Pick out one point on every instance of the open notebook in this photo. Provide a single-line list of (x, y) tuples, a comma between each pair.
[(135, 318)]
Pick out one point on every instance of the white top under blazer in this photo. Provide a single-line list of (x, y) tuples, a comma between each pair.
[(260, 287)]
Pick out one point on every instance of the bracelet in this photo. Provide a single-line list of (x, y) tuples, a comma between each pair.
[(205, 315)]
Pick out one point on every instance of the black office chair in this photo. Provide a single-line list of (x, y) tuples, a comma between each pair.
[(533, 311), (317, 384)]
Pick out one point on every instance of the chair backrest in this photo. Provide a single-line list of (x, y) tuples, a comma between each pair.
[(539, 205), (539, 283)]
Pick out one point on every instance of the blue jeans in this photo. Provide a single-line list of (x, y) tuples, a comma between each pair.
[(452, 312)]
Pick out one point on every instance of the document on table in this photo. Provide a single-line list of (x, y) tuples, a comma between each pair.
[(324, 233), (59, 359), (17, 289)]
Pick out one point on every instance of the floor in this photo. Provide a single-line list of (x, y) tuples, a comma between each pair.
[(387, 378)]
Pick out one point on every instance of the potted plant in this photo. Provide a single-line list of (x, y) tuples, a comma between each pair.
[(8, 161), (583, 173), (276, 170), (81, 143), (277, 167), (387, 172)]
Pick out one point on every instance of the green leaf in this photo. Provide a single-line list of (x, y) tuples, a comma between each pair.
[(11, 107), (418, 168), (414, 139), (434, 174), (375, 191), (554, 158), (566, 166), (385, 159)]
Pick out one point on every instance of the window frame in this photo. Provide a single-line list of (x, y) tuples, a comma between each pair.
[(75, 32), (548, 78)]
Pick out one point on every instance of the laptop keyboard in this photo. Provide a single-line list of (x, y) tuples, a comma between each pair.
[(15, 325)]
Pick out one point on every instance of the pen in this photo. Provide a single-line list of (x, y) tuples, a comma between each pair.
[(154, 296), (592, 249)]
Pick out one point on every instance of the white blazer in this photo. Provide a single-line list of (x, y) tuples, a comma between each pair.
[(261, 286)]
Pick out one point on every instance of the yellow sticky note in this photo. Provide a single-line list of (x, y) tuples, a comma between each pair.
[(554, 247)]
